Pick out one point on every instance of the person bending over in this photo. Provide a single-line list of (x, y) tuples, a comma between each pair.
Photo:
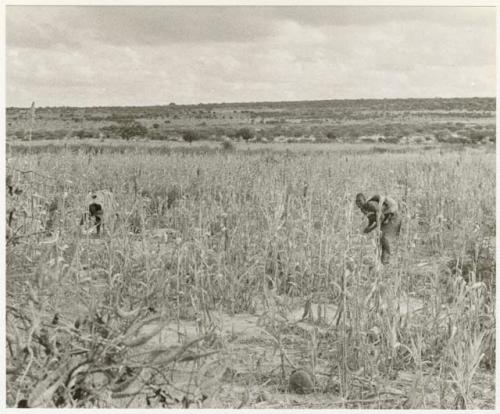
[(382, 211)]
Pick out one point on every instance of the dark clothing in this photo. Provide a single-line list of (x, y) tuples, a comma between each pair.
[(95, 211)]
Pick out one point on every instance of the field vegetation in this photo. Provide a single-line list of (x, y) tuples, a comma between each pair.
[(459, 120), (229, 265)]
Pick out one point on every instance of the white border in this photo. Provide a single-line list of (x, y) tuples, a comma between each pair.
[(5, 3)]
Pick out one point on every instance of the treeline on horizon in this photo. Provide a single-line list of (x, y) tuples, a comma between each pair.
[(399, 104)]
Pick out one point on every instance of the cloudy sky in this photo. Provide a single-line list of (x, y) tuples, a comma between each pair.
[(87, 56)]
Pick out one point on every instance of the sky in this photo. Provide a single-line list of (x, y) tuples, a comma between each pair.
[(107, 55)]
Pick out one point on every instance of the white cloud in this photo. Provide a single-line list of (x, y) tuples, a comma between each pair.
[(58, 57)]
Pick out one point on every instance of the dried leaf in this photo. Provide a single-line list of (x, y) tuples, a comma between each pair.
[(141, 338), (128, 314)]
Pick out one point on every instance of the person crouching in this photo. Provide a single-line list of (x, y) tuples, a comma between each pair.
[(101, 209)]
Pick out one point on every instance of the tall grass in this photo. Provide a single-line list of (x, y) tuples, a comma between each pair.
[(219, 232)]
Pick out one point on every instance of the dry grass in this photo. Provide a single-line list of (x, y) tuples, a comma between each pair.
[(205, 238)]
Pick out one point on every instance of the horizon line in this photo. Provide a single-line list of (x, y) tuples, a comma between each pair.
[(250, 102)]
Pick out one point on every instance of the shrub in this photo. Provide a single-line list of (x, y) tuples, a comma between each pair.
[(191, 135), (245, 133), (82, 133), (227, 145), (477, 135), (443, 135), (133, 129), (331, 135)]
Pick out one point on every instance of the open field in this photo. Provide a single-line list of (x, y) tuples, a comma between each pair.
[(227, 268), (90, 146), (458, 120)]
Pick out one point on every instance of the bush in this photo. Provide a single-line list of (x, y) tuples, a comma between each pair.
[(443, 135), (227, 145), (245, 133), (133, 129), (157, 136), (477, 135), (191, 135), (331, 135), (110, 131), (82, 133)]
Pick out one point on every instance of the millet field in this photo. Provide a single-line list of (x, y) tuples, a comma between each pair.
[(223, 269)]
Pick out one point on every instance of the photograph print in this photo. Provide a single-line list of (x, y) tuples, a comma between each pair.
[(257, 207)]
